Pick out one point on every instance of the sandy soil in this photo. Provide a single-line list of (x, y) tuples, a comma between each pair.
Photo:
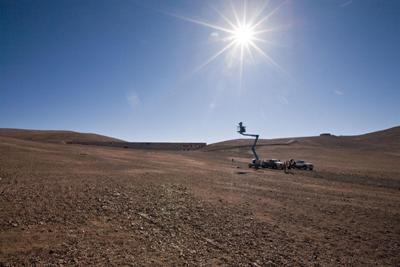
[(81, 205)]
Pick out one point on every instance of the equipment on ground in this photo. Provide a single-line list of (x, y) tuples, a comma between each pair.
[(256, 162), (272, 163)]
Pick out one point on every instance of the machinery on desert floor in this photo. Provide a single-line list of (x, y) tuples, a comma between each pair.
[(256, 162), (271, 163)]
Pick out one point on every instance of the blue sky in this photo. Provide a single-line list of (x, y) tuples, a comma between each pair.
[(129, 69)]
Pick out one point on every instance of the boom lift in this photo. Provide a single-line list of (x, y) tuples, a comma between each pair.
[(256, 162), (271, 163)]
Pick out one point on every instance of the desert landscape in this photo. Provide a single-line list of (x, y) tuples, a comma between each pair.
[(118, 144), (78, 205)]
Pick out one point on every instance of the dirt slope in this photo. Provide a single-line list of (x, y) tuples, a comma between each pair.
[(81, 205), (50, 136), (389, 138)]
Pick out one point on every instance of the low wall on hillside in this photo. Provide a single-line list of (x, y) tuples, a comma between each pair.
[(142, 145)]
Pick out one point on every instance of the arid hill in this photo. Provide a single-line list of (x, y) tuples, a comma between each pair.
[(389, 138), (52, 136), (377, 151)]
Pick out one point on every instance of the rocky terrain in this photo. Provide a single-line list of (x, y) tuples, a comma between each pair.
[(79, 205)]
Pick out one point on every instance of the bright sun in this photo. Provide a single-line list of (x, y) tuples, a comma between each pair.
[(244, 35)]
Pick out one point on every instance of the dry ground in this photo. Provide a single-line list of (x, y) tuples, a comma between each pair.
[(81, 205)]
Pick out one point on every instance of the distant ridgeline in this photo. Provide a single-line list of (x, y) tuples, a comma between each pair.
[(140, 145)]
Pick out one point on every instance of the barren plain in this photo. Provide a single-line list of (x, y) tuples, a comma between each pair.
[(82, 205)]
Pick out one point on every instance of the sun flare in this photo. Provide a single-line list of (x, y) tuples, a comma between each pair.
[(244, 35)]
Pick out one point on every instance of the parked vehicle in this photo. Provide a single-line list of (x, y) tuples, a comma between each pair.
[(278, 164), (303, 165), (256, 164), (272, 164)]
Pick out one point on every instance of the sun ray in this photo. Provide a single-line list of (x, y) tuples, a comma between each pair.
[(268, 42), (260, 40), (259, 12), (268, 58), (213, 57), (235, 14), (221, 40), (273, 29), (241, 66), (224, 17), (203, 23), (249, 52), (270, 14), (244, 12)]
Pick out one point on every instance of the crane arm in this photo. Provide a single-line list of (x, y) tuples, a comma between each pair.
[(253, 147)]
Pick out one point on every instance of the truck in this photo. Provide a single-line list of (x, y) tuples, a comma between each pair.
[(303, 165), (272, 164)]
